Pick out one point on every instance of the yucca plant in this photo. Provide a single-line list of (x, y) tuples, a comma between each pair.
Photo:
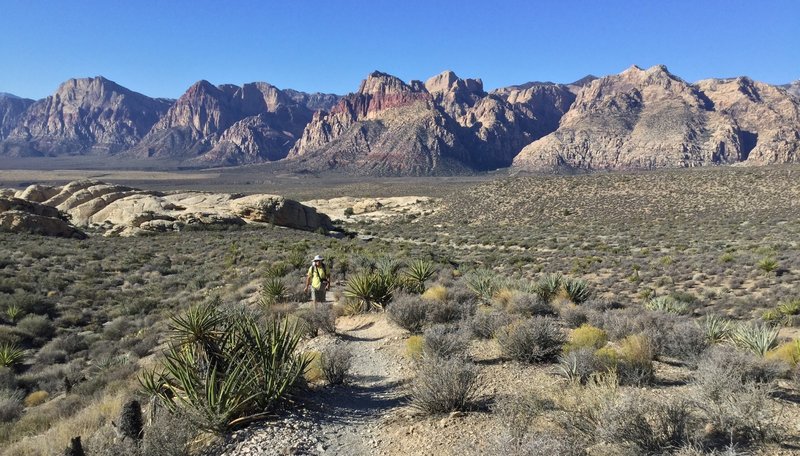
[(273, 291), (225, 369), (418, 272), (717, 329), (577, 290), (13, 313), (369, 290), (789, 308), (483, 283), (767, 265), (11, 355), (277, 269), (388, 266), (548, 287), (758, 339), (667, 304)]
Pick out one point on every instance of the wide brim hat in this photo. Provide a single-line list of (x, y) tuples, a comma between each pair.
[(318, 258)]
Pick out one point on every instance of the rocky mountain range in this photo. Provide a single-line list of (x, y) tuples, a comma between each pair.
[(640, 118)]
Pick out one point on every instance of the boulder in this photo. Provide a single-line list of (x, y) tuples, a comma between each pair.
[(16, 221), (280, 211), (38, 193)]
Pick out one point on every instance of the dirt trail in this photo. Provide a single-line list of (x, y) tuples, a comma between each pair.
[(351, 416)]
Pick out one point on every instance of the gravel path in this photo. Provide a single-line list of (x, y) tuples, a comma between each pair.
[(343, 420)]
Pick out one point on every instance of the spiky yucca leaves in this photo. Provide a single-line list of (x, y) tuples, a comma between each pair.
[(577, 290), (369, 291), (768, 265), (11, 355), (483, 283), (388, 266), (14, 313), (418, 272), (667, 304), (548, 286), (717, 329), (273, 291), (758, 339), (225, 368)]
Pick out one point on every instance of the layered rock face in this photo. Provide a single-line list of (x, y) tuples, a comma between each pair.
[(120, 210), (793, 88), (767, 122), (650, 118), (91, 115), (11, 110), (447, 125), (232, 125)]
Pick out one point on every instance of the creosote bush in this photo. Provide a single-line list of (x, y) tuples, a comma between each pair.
[(535, 340), (587, 336), (408, 312), (334, 362), (445, 341), (443, 385)]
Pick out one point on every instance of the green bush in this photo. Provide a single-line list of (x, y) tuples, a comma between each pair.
[(370, 291)]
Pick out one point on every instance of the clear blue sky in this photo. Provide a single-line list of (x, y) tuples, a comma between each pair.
[(160, 48)]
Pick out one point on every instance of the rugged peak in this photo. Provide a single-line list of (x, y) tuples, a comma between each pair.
[(378, 83), (200, 87), (584, 81), (447, 81)]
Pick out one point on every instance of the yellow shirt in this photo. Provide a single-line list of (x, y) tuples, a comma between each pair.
[(317, 276)]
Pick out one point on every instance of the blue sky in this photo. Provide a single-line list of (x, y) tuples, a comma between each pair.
[(160, 48)]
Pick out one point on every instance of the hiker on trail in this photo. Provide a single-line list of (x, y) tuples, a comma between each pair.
[(319, 280)]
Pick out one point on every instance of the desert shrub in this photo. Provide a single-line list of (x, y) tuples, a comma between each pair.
[(722, 366), (673, 336), (732, 401), (574, 316), (528, 305), (535, 340), (645, 425), (10, 405), (579, 364), (247, 368), (36, 328), (316, 319), (635, 363), (618, 324), (36, 398), (408, 312), (8, 379), (587, 336), (600, 305), (756, 338), (788, 352), (541, 443), (414, 347), (485, 323), (451, 311), (335, 361), (168, 435), (443, 385), (767, 265), (445, 341), (518, 412), (118, 328)]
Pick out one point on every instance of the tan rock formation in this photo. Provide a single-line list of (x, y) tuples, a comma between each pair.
[(37, 193), (21, 216), (125, 211)]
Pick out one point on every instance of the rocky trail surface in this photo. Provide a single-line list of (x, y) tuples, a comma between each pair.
[(342, 420)]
